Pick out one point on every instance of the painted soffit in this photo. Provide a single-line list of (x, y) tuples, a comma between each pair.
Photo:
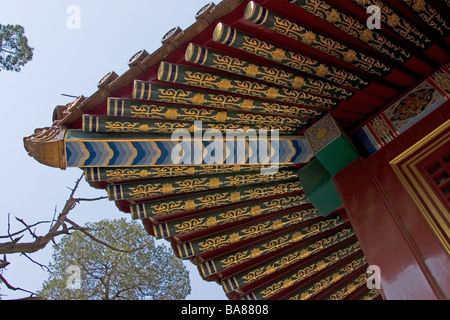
[(263, 64)]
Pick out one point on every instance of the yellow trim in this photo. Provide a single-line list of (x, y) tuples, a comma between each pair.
[(185, 251), (108, 191), (141, 97), (149, 94), (93, 177), (142, 211), (249, 10), (234, 36), (85, 174), (201, 270), (218, 30), (176, 73), (189, 52), (64, 149), (260, 13), (200, 51), (126, 139), (429, 204), (161, 68), (159, 232), (108, 107), (134, 89), (227, 37), (182, 165)]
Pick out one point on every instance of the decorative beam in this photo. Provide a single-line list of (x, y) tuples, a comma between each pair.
[(354, 28), (84, 149), (307, 271), (146, 110), (277, 241), (430, 16), (116, 124), (261, 16), (297, 254), (352, 285), (108, 174), (222, 216), (354, 265), (206, 57), (406, 111), (215, 241), (397, 24), (58, 147), (231, 37), (179, 185), (189, 203), (165, 93), (170, 72)]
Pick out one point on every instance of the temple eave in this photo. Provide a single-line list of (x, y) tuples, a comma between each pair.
[(47, 146)]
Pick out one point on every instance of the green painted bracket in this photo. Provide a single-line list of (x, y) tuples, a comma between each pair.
[(333, 152), (318, 186)]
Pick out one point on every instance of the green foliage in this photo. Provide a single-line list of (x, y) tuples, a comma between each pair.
[(152, 273), (14, 49)]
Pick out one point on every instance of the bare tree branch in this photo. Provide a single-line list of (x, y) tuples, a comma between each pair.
[(29, 247), (10, 287), (9, 226), (41, 242), (27, 227), (59, 225), (90, 199), (3, 263), (14, 246), (23, 230), (43, 267)]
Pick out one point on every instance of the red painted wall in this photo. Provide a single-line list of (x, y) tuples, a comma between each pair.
[(390, 228)]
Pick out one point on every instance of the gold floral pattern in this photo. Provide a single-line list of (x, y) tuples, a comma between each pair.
[(309, 270), (354, 28), (291, 59), (283, 241), (326, 282), (399, 25), (256, 230), (334, 48), (163, 93), (212, 199), (429, 15)]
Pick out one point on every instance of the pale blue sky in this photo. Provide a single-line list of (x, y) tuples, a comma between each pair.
[(70, 62)]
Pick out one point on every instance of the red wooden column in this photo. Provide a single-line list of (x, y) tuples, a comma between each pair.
[(393, 231)]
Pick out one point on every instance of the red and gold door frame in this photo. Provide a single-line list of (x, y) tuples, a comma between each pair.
[(424, 172)]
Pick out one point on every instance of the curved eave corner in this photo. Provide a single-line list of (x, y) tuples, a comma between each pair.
[(47, 146)]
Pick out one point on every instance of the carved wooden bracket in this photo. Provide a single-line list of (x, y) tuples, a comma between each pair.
[(47, 146)]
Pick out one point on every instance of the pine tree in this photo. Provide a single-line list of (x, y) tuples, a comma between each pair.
[(84, 269), (14, 49)]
